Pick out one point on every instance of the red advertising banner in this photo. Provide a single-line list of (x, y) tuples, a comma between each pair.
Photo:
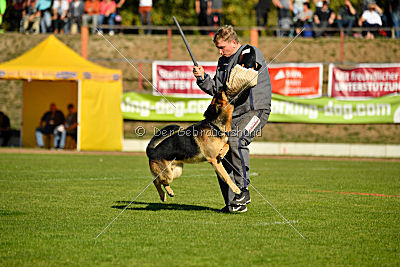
[(301, 80), (175, 78), (364, 81)]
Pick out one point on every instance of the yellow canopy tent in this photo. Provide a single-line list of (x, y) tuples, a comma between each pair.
[(52, 72)]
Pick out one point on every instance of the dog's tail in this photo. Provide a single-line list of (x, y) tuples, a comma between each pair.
[(159, 137)]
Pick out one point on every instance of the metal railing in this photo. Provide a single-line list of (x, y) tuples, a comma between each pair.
[(244, 28)]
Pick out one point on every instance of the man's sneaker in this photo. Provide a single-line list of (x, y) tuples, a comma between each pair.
[(240, 208), (233, 209), (243, 198)]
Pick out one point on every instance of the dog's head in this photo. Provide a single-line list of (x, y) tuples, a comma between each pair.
[(219, 108)]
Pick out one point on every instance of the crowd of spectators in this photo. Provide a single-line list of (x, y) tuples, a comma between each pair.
[(312, 17), (62, 16), (322, 21)]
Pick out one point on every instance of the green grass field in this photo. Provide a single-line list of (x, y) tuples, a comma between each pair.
[(54, 205)]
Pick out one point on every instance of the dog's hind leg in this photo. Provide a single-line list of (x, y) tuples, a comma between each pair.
[(219, 168), (161, 192), (169, 190), (167, 177), (176, 172)]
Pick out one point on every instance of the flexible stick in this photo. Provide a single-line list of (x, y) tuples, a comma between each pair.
[(186, 42)]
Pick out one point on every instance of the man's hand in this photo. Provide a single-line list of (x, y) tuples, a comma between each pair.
[(198, 72)]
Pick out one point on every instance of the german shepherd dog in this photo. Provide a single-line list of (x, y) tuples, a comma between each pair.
[(173, 146)]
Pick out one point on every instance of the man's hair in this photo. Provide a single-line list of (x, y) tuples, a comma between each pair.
[(70, 106), (306, 4), (225, 33)]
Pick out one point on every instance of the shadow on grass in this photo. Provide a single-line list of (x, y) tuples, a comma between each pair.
[(160, 206)]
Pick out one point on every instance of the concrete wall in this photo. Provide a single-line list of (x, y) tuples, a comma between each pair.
[(300, 149)]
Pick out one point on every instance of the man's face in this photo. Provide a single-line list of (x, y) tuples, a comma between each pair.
[(53, 108), (227, 48)]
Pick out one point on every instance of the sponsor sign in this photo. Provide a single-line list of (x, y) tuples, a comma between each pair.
[(332, 110), (136, 106), (301, 80), (364, 81), (175, 78)]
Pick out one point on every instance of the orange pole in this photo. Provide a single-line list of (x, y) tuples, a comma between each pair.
[(169, 33), (341, 45), (254, 37), (140, 78), (84, 41)]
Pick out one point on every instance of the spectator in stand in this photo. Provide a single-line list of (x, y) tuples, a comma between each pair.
[(44, 7), (13, 14), (31, 18), (60, 10), (118, 18), (107, 12), (365, 4), (298, 6), (324, 18), (204, 10), (145, 8), (284, 17), (262, 9), (347, 16), (371, 18), (48, 124), (92, 10), (75, 14), (394, 7), (304, 18), (318, 4), (5, 129), (216, 9)]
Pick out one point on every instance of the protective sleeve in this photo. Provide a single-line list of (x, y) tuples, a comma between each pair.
[(241, 79)]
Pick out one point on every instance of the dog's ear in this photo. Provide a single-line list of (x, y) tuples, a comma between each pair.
[(214, 108), (212, 111), (247, 58)]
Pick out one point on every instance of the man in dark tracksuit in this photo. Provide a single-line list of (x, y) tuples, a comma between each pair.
[(251, 112)]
